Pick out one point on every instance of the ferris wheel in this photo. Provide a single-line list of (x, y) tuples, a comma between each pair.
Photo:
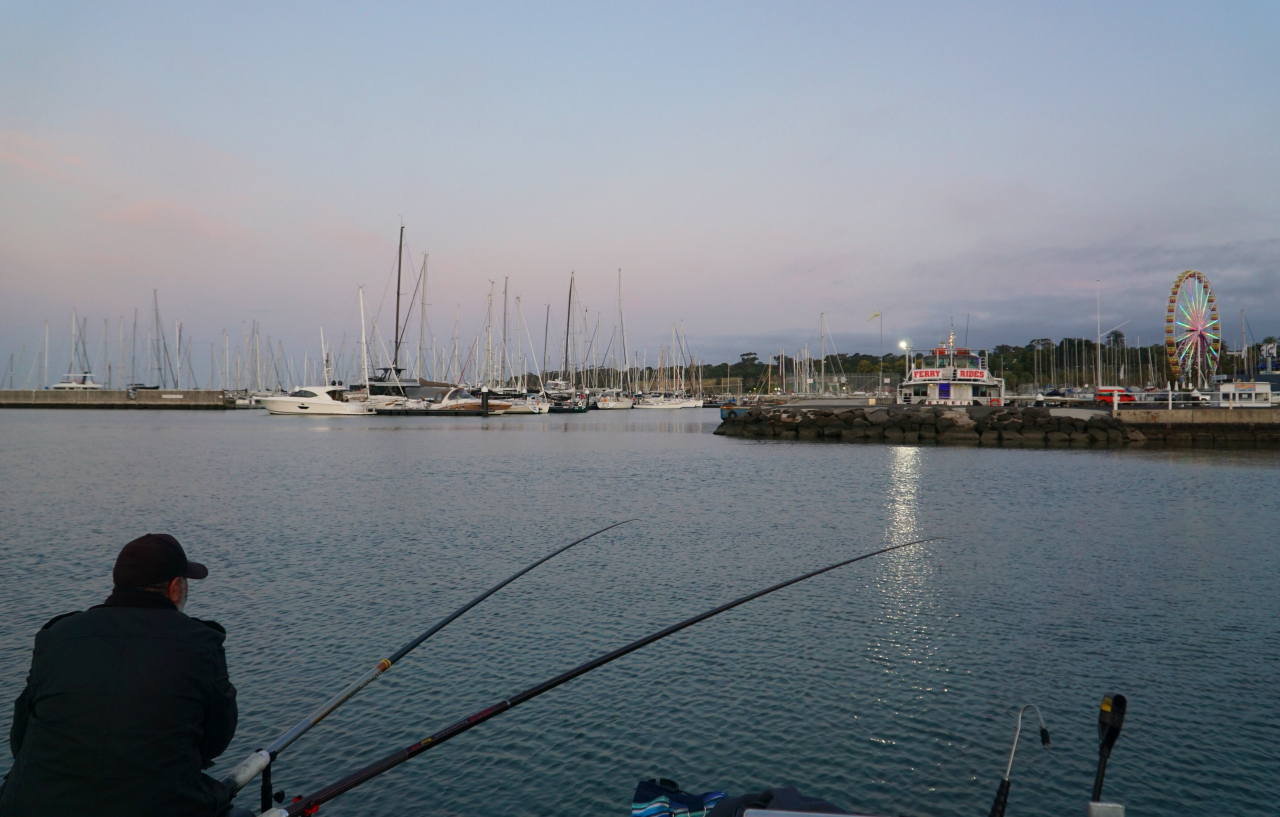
[(1192, 333)]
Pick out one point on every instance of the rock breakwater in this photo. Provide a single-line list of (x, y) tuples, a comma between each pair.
[(982, 425)]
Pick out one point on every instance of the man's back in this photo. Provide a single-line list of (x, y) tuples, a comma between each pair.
[(124, 705)]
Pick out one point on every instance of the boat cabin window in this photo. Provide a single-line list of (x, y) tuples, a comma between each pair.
[(302, 393), (338, 395)]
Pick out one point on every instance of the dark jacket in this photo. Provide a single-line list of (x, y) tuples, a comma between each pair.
[(124, 706)]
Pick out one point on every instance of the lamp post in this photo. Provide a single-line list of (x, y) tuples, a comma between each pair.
[(880, 376)]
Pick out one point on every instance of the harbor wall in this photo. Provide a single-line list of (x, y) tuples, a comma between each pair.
[(168, 399), (1008, 426)]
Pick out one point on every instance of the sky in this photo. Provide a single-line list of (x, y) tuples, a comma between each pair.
[(749, 167)]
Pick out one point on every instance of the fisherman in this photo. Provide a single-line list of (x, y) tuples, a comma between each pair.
[(127, 702)]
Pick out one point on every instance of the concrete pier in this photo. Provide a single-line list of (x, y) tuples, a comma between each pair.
[(170, 399)]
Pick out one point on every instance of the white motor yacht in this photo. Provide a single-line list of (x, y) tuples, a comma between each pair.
[(327, 400), (461, 401), (668, 401)]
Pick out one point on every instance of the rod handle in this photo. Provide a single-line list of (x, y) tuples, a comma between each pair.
[(1002, 799), (1103, 754)]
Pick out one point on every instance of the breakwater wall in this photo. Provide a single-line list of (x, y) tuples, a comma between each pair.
[(1010, 425), (209, 399)]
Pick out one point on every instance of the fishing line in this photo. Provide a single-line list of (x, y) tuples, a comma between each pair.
[(260, 760), (394, 759)]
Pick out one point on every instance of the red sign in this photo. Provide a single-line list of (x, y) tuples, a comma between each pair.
[(921, 373), (972, 374)]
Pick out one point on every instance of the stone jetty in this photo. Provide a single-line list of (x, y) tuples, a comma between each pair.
[(1008, 425)]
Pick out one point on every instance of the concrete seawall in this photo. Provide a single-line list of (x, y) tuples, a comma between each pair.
[(170, 399), (1009, 426)]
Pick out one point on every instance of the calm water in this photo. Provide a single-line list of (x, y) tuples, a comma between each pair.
[(890, 686)]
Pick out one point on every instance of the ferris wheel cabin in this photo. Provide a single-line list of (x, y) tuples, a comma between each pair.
[(947, 375)]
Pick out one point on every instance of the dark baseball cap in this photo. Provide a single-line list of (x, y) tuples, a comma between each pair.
[(152, 559)]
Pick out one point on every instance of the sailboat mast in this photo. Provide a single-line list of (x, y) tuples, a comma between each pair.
[(364, 348), (568, 316), (488, 352), (395, 352), (622, 324), (822, 342), (546, 331), (502, 371), (422, 322)]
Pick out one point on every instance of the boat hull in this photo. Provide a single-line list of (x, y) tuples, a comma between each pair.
[(291, 406)]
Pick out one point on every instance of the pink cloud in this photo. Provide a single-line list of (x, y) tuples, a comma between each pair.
[(171, 217), (42, 157)]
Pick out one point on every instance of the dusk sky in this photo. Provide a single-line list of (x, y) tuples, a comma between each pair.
[(747, 166)]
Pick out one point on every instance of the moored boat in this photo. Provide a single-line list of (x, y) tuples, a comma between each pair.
[(529, 404), (325, 400), (459, 401), (949, 376), (610, 399)]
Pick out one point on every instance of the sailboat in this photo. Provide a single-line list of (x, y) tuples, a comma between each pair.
[(80, 375)]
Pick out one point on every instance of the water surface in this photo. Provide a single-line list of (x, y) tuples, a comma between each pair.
[(890, 686)]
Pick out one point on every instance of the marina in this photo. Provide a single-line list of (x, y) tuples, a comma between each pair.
[(683, 411)]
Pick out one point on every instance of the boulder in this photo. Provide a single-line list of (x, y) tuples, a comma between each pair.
[(959, 435), (878, 417), (1097, 435), (944, 423), (1080, 437), (1133, 435), (893, 434), (990, 437), (852, 434), (928, 432), (1057, 437), (1032, 434), (1008, 437)]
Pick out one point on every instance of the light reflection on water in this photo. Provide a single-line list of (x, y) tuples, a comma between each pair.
[(889, 686)]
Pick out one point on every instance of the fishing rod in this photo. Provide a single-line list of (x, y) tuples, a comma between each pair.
[(308, 804), (260, 761)]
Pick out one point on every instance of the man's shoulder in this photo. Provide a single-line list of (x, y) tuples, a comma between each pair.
[(126, 622), (211, 624), (58, 618)]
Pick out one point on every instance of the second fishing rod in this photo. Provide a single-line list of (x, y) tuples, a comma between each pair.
[(308, 804), (260, 761)]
